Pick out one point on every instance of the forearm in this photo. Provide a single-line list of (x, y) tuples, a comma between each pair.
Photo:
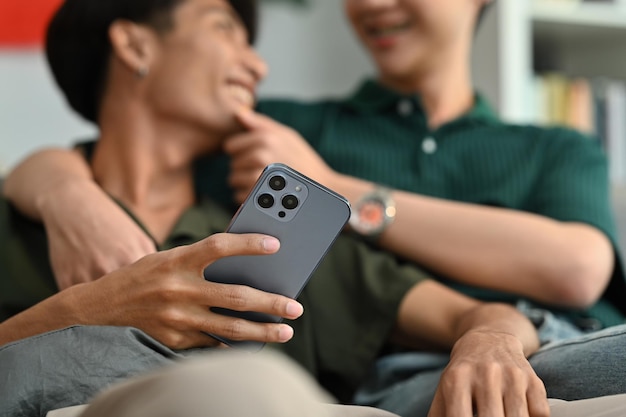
[(499, 319), (433, 315), (39, 177), (507, 250), (56, 312)]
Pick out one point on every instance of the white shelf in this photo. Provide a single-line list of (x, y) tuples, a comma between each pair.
[(577, 22), (610, 16)]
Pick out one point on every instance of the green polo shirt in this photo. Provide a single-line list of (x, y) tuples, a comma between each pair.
[(382, 136), (350, 303)]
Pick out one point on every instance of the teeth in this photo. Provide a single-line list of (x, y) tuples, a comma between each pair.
[(242, 95), (389, 30)]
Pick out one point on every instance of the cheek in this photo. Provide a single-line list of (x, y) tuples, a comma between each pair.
[(171, 90), (348, 8), (351, 12)]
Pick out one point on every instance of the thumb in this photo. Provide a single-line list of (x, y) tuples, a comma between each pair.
[(252, 120)]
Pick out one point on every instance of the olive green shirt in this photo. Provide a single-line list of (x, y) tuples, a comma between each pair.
[(350, 303), (380, 135)]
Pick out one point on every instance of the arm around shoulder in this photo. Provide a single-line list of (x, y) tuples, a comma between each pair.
[(89, 234), (43, 175)]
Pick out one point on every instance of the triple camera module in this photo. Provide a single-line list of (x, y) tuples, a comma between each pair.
[(288, 201)]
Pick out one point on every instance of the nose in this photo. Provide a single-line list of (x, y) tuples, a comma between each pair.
[(374, 4), (255, 65), (361, 9), (380, 3)]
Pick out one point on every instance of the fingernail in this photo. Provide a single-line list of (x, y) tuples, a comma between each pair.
[(271, 244), (294, 309), (285, 333), (244, 110)]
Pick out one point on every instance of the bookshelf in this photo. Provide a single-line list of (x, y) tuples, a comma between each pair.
[(571, 36), (572, 39)]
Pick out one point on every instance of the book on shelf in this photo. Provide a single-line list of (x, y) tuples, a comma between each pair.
[(570, 2), (572, 5), (594, 106), (616, 130)]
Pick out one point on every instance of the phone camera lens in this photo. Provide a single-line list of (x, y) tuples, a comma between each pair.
[(277, 183), (290, 202), (266, 200)]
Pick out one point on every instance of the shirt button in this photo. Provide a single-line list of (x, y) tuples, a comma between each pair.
[(405, 107), (429, 145)]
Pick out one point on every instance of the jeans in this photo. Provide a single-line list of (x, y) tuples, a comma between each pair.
[(572, 364), (68, 367)]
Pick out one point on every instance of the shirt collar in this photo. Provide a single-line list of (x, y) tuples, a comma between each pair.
[(199, 221), (373, 97)]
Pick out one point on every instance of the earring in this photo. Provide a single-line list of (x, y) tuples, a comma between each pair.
[(142, 72)]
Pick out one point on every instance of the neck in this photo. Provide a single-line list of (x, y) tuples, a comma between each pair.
[(445, 90), (146, 165)]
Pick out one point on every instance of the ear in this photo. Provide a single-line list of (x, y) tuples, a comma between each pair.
[(133, 44)]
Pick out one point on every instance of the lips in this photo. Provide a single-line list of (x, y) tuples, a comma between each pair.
[(242, 94)]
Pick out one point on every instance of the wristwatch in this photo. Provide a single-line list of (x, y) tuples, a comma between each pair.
[(373, 213)]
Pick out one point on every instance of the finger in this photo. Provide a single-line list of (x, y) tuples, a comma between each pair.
[(438, 406), (242, 142), (195, 339), (456, 390), (220, 245), (253, 159), (514, 398), (68, 273), (243, 298), (244, 179), (254, 121), (243, 330), (537, 399), (240, 196), (488, 393)]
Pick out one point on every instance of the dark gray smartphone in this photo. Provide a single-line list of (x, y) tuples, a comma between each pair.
[(305, 216)]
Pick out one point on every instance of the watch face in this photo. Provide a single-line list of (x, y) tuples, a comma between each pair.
[(371, 215)]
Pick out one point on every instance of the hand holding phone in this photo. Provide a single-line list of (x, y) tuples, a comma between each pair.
[(305, 216)]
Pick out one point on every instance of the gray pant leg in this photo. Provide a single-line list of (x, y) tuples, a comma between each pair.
[(68, 367), (413, 397), (403, 383), (593, 365), (224, 384), (609, 406)]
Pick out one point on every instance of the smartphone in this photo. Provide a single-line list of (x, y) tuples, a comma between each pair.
[(305, 216)]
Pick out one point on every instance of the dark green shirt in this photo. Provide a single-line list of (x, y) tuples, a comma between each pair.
[(350, 303), (382, 136)]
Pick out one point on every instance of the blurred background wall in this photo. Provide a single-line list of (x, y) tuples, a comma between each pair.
[(312, 53)]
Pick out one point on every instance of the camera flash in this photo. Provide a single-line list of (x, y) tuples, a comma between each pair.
[(298, 188)]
